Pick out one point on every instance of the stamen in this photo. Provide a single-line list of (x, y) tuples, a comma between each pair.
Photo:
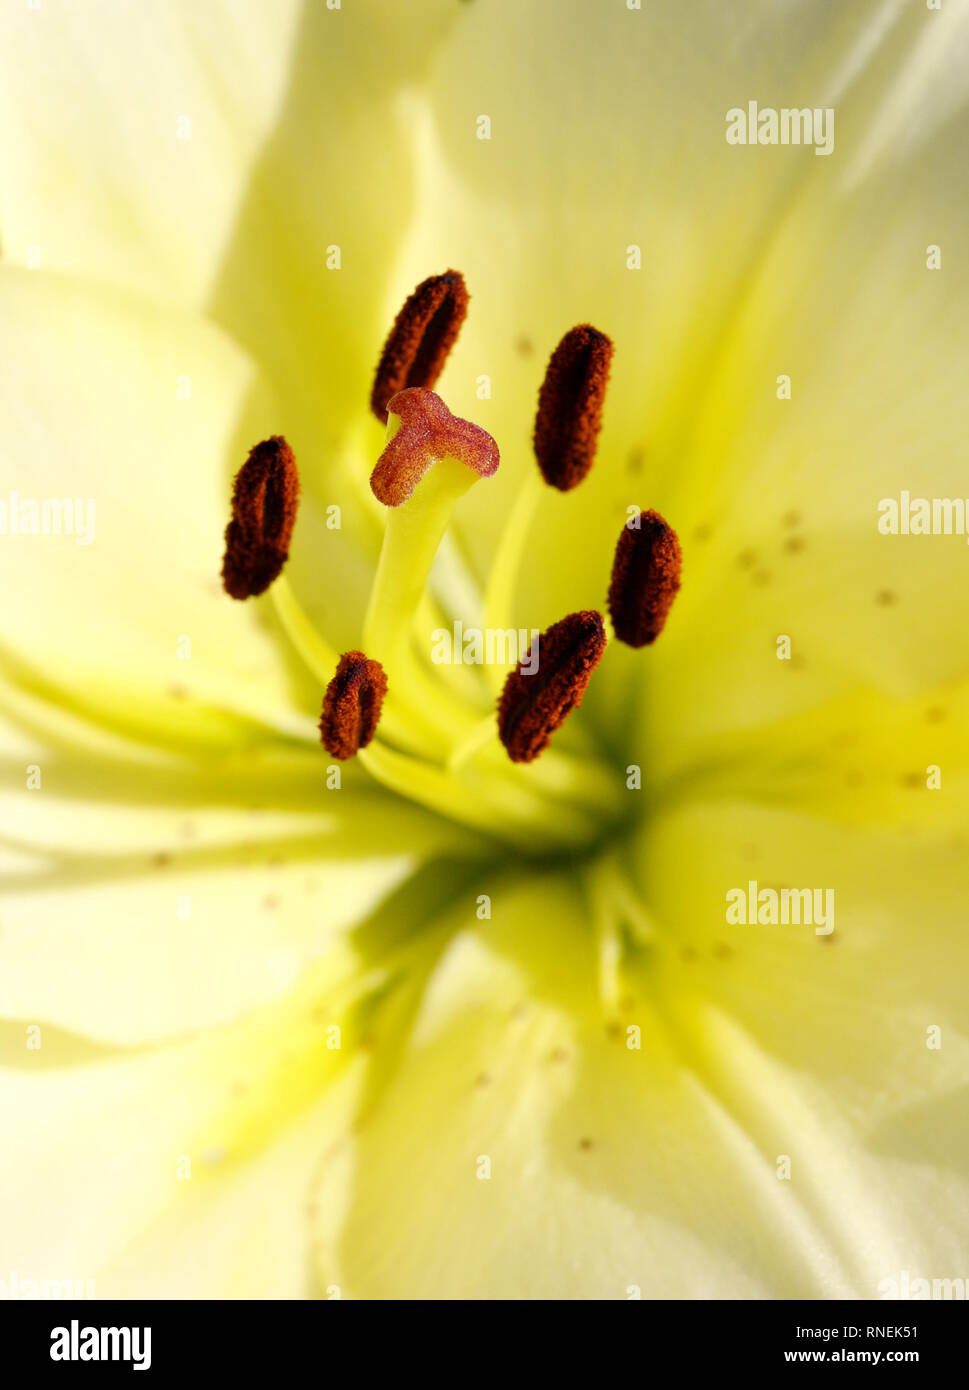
[(533, 706), (264, 501), (351, 706), (570, 406), (427, 432), (645, 579), (423, 335)]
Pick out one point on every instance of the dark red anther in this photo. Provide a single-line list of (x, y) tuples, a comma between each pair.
[(428, 431), (265, 496), (645, 579), (570, 406), (532, 706), (423, 335), (352, 704)]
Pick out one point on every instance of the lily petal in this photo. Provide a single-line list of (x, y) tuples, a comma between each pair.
[(823, 1047), (170, 1143), (146, 1175), (571, 1163), (132, 132), (130, 923), (122, 424), (201, 155), (551, 230)]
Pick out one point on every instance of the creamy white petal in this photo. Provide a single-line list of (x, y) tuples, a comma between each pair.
[(123, 424), (131, 131), (522, 1148), (191, 1156), (119, 1157), (145, 896)]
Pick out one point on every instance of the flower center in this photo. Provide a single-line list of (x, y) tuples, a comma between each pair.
[(492, 769)]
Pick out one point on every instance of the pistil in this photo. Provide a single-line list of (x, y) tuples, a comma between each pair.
[(430, 460)]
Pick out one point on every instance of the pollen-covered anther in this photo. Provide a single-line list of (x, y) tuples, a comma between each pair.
[(265, 497), (570, 406), (645, 579), (540, 693), (428, 432), (352, 704), (423, 335)]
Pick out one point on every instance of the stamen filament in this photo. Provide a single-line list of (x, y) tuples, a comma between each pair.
[(505, 568), (479, 737), (321, 659), (504, 808), (556, 774), (316, 652)]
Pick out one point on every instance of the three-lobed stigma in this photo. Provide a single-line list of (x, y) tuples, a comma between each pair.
[(428, 432)]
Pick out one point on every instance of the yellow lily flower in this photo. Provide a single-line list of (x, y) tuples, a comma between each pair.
[(447, 1024)]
